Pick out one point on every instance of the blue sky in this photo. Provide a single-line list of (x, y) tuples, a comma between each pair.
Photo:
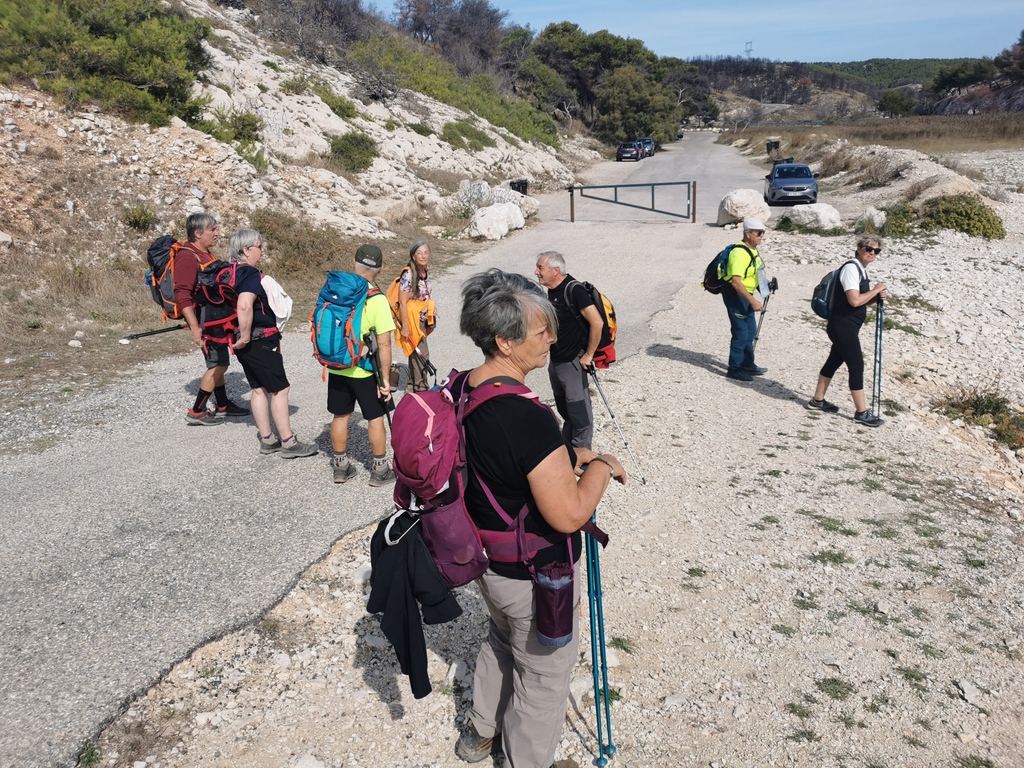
[(787, 30)]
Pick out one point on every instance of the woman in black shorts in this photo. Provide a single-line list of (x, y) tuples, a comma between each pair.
[(849, 310)]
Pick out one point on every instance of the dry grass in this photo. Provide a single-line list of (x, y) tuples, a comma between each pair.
[(931, 134), (918, 188)]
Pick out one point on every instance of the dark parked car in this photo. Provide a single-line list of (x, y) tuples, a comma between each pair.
[(629, 150), (790, 183), (648, 144)]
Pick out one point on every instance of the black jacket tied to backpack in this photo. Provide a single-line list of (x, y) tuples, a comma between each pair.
[(403, 575)]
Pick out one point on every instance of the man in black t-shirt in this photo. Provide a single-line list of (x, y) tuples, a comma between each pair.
[(579, 333)]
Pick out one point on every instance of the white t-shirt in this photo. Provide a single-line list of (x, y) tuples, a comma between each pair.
[(851, 274)]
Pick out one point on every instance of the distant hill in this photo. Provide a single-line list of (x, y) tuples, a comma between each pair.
[(888, 73)]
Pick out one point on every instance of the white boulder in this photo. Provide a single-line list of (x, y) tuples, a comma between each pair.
[(741, 203), (815, 216), (494, 221), (872, 220)]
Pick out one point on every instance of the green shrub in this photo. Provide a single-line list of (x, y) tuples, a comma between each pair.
[(254, 156), (138, 58), (899, 220), (463, 134), (232, 125), (986, 407), (295, 86), (421, 129), (140, 218), (434, 77), (271, 65), (354, 152), (339, 105), (963, 213)]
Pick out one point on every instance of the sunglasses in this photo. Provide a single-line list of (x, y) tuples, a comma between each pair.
[(875, 251)]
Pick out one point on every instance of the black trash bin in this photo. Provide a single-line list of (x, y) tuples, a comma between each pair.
[(519, 185)]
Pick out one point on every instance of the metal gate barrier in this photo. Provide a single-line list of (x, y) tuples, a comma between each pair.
[(691, 198)]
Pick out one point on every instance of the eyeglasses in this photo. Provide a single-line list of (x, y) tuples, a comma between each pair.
[(255, 245), (758, 232), (875, 251)]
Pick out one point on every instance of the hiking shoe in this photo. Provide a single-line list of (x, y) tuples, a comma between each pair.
[(739, 376), (382, 475), (203, 418), (344, 472), (822, 405), (567, 763), (756, 370), (294, 449), (473, 747), (231, 409), (273, 445), (868, 419)]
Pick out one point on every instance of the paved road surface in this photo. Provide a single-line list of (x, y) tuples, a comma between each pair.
[(136, 538)]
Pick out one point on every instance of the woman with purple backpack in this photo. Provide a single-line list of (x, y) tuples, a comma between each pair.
[(518, 460)]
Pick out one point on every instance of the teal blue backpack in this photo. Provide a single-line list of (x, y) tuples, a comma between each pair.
[(337, 319)]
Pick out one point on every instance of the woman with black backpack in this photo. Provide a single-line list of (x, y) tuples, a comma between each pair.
[(853, 293)]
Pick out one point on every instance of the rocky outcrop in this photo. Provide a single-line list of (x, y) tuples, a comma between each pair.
[(815, 216), (493, 222)]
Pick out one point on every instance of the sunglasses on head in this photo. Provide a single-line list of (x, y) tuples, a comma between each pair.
[(875, 251)]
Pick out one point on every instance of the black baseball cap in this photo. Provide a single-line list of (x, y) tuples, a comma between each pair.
[(369, 256)]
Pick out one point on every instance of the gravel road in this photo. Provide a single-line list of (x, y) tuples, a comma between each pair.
[(133, 538), (788, 589)]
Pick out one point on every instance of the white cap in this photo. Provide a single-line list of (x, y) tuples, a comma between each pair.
[(752, 223)]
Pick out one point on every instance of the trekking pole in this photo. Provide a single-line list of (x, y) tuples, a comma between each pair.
[(876, 382), (592, 370), (598, 655), (373, 350), (128, 339), (773, 285)]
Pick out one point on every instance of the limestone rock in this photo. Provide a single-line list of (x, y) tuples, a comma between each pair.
[(815, 216), (872, 220), (741, 203), (495, 221)]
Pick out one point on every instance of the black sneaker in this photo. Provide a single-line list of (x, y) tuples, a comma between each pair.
[(822, 405), (201, 418), (473, 747), (868, 419), (739, 376), (756, 370), (231, 409)]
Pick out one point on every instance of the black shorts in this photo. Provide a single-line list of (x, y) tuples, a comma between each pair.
[(217, 355), (343, 392), (263, 365)]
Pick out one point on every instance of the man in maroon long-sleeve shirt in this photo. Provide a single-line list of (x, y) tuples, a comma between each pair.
[(203, 233)]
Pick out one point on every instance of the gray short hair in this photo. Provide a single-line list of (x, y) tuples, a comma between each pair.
[(240, 240), (867, 240), (554, 259), (370, 273), (498, 304), (197, 223)]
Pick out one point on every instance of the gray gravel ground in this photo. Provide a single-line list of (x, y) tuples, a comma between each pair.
[(134, 538)]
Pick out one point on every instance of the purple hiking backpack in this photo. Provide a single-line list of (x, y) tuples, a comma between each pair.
[(428, 441)]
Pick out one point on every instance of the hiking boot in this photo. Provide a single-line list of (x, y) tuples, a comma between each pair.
[(822, 405), (473, 747), (231, 409), (566, 763), (343, 472), (382, 475), (271, 445), (203, 418), (294, 449), (867, 419), (739, 376), (755, 370)]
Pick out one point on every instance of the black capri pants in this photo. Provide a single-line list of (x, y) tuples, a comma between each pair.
[(844, 333)]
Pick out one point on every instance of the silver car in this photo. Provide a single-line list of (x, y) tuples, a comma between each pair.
[(791, 183)]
